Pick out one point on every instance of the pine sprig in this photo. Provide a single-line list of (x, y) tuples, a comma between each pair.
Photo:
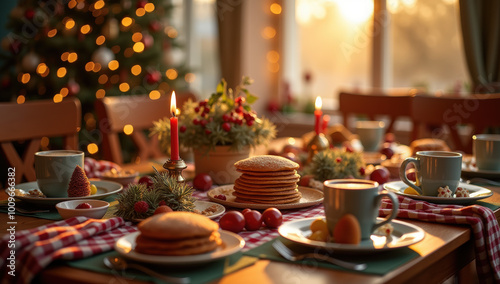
[(175, 195), (335, 164)]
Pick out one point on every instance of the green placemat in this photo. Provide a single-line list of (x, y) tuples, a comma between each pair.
[(52, 214), (377, 263), (201, 273)]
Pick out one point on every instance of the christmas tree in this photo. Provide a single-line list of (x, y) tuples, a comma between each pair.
[(89, 49)]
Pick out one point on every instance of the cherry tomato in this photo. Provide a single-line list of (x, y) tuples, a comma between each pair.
[(232, 221), (245, 210), (380, 175), (146, 180), (253, 220), (272, 217), (202, 182)]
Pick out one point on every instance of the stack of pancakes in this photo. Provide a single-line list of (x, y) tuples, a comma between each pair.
[(177, 233), (267, 179)]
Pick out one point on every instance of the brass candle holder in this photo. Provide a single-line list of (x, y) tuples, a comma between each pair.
[(317, 144), (175, 169)]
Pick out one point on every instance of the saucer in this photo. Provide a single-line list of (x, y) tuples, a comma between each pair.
[(104, 189), (475, 193)]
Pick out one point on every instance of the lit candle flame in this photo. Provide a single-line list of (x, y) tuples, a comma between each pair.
[(173, 105), (318, 103)]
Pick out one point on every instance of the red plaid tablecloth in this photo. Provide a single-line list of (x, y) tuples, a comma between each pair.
[(96, 168), (74, 238), (484, 225)]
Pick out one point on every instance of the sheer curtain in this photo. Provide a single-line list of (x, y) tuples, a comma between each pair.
[(480, 21)]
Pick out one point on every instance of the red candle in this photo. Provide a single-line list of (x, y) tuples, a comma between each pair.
[(326, 120), (174, 131), (317, 116)]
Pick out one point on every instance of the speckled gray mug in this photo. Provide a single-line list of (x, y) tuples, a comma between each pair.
[(358, 197), (54, 169)]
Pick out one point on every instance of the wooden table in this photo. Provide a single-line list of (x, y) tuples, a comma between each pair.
[(444, 252)]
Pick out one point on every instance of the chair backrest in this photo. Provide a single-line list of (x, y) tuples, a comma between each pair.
[(375, 104), (139, 111), (30, 122), (472, 114)]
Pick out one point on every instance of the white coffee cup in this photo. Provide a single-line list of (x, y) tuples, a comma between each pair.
[(371, 134), (486, 151), (54, 169)]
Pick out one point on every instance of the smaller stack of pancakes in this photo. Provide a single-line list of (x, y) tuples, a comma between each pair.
[(267, 179), (177, 233)]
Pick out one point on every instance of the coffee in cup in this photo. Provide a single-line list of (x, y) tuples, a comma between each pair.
[(486, 151), (434, 169), (358, 197), (54, 169)]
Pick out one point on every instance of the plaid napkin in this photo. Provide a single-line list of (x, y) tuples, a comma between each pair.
[(94, 168), (484, 225), (74, 238)]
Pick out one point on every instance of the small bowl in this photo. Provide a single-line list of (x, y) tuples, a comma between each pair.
[(122, 177), (67, 208)]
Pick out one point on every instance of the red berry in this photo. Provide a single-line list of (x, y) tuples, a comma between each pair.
[(232, 221), (220, 196), (239, 100), (203, 122), (83, 206), (362, 171), (141, 207), (203, 103), (147, 181), (208, 132), (387, 151), (272, 217), (197, 109), (226, 126), (202, 182), (238, 121), (249, 122), (226, 117), (163, 209), (338, 159), (206, 110), (239, 109), (162, 203), (183, 128), (245, 210), (196, 121), (380, 175), (253, 220)]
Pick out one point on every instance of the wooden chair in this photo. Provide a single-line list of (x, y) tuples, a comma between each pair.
[(375, 104), (114, 113), (29, 122), (471, 114)]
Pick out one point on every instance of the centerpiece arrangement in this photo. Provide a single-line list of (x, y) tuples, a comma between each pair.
[(220, 130)]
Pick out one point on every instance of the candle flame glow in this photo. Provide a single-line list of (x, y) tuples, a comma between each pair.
[(318, 103), (173, 106)]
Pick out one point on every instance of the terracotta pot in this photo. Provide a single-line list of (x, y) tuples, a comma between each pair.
[(219, 163)]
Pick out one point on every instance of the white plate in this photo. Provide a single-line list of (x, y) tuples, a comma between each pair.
[(231, 243), (475, 193), (473, 172), (403, 235), (104, 189), (310, 197), (202, 205)]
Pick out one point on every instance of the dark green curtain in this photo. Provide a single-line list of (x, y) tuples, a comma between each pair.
[(480, 20)]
